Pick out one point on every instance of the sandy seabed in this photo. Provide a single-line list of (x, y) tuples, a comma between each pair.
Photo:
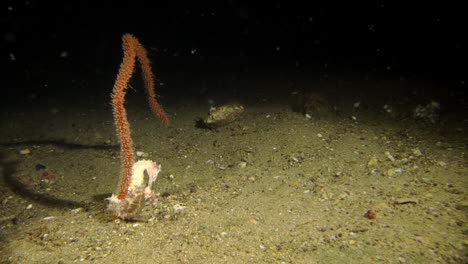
[(272, 187)]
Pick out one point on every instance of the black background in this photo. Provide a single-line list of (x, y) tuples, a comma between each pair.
[(185, 39)]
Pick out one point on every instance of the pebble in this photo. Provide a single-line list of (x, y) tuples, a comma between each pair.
[(25, 151), (417, 152), (372, 162), (389, 156), (253, 221), (242, 164), (77, 210), (394, 171), (426, 180), (5, 201), (179, 208), (142, 154)]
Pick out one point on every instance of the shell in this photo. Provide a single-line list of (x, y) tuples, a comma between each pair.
[(223, 115)]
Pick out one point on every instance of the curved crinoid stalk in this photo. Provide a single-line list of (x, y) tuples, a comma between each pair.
[(133, 190)]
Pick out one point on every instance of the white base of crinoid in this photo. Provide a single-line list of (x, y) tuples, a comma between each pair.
[(139, 192)]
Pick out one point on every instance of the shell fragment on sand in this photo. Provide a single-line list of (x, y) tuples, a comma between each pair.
[(223, 115)]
